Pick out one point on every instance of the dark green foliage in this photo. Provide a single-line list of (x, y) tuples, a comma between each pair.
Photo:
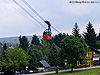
[(58, 38), (75, 31), (20, 41), (98, 44), (98, 37), (14, 59), (67, 34), (0, 48), (35, 40), (4, 46), (45, 49), (33, 62), (4, 49), (62, 58), (73, 49), (53, 56), (36, 56), (23, 43), (90, 36)]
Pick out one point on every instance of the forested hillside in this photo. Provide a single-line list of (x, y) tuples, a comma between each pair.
[(14, 40)]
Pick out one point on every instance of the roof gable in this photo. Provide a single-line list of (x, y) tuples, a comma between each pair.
[(96, 50)]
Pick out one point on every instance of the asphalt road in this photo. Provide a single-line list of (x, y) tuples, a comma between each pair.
[(62, 70)]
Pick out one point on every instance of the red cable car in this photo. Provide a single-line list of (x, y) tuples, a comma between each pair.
[(47, 32), (46, 35)]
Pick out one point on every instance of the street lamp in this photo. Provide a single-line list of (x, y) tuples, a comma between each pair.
[(65, 62), (26, 67)]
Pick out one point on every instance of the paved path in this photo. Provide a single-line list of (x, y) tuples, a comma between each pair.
[(62, 70)]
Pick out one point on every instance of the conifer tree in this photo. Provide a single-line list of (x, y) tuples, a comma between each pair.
[(35, 40), (53, 55), (20, 41), (4, 50), (58, 38), (98, 37), (90, 36), (4, 46), (75, 31), (36, 56), (23, 43), (45, 49)]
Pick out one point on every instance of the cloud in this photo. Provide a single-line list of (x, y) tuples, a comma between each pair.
[(60, 13)]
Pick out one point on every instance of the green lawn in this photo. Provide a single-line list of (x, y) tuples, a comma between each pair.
[(95, 71)]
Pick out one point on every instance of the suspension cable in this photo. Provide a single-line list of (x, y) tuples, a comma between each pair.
[(28, 13), (19, 12), (55, 29), (32, 9), (37, 13)]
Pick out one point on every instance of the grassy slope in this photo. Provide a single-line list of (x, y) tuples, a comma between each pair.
[(95, 71)]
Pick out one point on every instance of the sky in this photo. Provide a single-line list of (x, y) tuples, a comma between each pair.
[(62, 14)]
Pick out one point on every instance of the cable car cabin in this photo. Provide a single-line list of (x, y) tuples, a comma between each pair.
[(47, 32), (46, 35)]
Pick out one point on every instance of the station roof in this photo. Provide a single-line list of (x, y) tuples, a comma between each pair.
[(44, 63)]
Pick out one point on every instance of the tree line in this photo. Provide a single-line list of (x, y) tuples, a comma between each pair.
[(55, 51)]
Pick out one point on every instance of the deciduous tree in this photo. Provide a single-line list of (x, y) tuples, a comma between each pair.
[(72, 48), (14, 59)]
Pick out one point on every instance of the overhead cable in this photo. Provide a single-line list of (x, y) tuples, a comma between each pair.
[(32, 9), (28, 13), (19, 12), (55, 29), (37, 13)]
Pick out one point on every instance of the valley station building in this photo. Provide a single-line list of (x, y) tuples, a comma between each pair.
[(91, 58)]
